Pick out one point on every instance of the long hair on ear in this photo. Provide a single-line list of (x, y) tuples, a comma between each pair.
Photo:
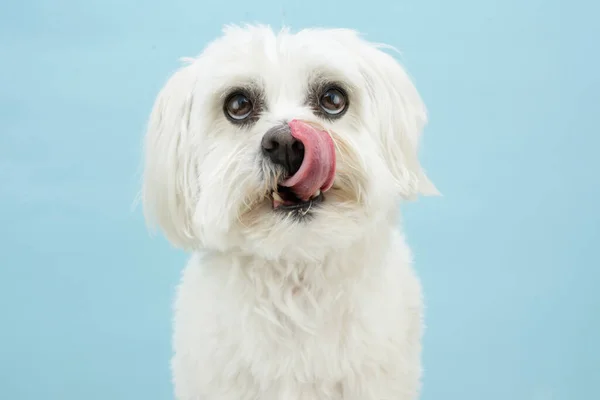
[(401, 115), (170, 178)]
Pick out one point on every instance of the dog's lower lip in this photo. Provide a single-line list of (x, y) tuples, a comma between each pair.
[(285, 200), (304, 205)]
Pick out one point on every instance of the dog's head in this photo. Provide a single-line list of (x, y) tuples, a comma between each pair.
[(283, 145)]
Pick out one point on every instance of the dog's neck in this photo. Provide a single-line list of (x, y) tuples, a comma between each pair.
[(301, 295), (364, 253)]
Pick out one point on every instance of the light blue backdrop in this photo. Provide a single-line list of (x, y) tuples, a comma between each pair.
[(508, 257)]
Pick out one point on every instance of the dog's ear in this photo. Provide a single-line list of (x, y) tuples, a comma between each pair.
[(170, 182), (401, 117)]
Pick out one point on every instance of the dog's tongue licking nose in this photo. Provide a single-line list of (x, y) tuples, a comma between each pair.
[(318, 166)]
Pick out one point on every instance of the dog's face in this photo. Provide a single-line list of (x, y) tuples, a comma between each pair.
[(282, 145)]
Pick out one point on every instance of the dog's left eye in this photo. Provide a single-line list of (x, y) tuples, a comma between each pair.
[(333, 101), (238, 107)]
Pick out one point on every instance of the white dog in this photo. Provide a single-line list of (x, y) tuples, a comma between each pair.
[(279, 161)]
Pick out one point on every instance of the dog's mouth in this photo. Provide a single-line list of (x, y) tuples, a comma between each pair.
[(304, 189), (284, 199)]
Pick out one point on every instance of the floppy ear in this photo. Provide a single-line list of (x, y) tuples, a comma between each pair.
[(402, 116), (170, 181)]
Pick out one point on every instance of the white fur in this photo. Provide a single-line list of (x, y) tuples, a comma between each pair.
[(269, 307)]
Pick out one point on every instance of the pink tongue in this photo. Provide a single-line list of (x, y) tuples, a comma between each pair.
[(318, 167)]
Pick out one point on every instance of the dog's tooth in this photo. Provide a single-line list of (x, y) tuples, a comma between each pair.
[(317, 193), (277, 197)]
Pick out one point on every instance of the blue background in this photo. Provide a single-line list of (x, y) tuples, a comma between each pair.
[(507, 256)]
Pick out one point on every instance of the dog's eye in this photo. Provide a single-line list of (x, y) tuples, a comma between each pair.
[(333, 101), (238, 107)]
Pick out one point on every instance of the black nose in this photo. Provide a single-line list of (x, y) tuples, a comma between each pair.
[(282, 148)]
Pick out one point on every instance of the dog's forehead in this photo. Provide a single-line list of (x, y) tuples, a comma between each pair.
[(283, 58)]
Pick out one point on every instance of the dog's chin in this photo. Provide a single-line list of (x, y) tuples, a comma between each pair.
[(280, 226)]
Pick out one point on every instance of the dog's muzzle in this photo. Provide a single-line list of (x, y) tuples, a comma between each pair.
[(307, 155)]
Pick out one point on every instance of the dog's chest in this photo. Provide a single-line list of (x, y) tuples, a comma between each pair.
[(286, 338)]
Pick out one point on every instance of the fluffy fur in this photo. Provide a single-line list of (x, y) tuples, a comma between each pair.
[(271, 307)]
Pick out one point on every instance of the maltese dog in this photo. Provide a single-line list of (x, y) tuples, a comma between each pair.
[(278, 160)]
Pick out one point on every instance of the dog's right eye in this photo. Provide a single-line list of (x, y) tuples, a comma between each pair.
[(238, 107)]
